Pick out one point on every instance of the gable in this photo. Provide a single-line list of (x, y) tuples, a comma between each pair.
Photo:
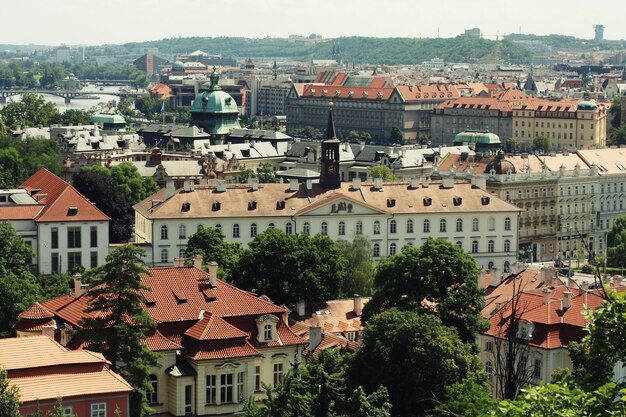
[(339, 205)]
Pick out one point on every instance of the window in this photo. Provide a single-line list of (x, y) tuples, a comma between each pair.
[(492, 224), (164, 255), (182, 252), (257, 378), (68, 411), (409, 226), (490, 265), (218, 226), (93, 237), (93, 259), (253, 230), (54, 261), (182, 232), (163, 232), (459, 244), (376, 250), (226, 388), (200, 227), (475, 225), (306, 228), (442, 225), (507, 223), (426, 226), (351, 336), (507, 245), (267, 332), (74, 259), (392, 226), (235, 230), (475, 246), (98, 410), (490, 246), (489, 369), (211, 389), (240, 392), (459, 225), (278, 373), (153, 397), (289, 228), (507, 267), (188, 399), (489, 347), (359, 227), (392, 249), (376, 227), (54, 238), (537, 368), (73, 237), (342, 228)]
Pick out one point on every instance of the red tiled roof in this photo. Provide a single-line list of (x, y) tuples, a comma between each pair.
[(221, 349), (340, 92), (32, 325), (428, 92), (36, 311), (212, 327), (20, 212), (158, 343), (476, 103), (59, 198)]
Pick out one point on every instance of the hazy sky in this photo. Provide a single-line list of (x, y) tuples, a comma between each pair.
[(73, 22)]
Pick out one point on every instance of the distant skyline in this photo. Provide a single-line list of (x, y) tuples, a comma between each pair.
[(92, 22)]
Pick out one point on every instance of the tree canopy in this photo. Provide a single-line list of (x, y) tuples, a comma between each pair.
[(616, 243), (542, 144), (210, 244), (436, 278), (21, 159), (382, 171), (396, 135), (360, 266), (9, 397), (30, 110)]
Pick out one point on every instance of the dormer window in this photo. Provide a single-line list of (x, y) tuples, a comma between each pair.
[(72, 211), (267, 332), (266, 328)]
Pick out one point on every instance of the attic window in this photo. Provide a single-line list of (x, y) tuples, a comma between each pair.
[(72, 211), (280, 205), (485, 200), (428, 201), (365, 94), (185, 207), (216, 206), (350, 93), (251, 205), (391, 202), (457, 201)]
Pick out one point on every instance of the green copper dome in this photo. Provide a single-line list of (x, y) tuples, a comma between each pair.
[(477, 137), (587, 105), (214, 110), (178, 66)]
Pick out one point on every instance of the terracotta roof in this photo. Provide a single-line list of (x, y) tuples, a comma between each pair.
[(61, 201), (20, 212), (32, 325), (333, 316), (428, 92), (330, 341), (477, 163), (609, 160), (221, 349), (156, 342), (476, 103), (212, 327), (331, 92), (36, 311), (546, 105)]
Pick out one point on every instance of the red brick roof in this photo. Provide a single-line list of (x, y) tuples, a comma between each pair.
[(36, 311), (476, 103), (340, 92), (428, 92), (221, 349), (158, 343), (212, 327), (61, 201)]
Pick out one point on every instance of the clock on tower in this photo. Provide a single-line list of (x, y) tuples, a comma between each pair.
[(329, 175)]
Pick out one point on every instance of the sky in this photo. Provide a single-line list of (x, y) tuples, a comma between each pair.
[(96, 22)]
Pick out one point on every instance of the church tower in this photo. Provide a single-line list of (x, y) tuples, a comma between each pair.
[(329, 175)]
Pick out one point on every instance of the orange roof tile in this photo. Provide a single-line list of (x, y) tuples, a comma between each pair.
[(20, 212), (221, 349), (212, 327), (36, 311)]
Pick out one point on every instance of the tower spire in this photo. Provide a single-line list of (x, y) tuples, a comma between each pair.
[(330, 128)]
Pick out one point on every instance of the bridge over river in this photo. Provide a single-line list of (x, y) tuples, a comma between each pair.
[(68, 95)]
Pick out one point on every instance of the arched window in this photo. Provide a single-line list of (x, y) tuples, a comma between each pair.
[(459, 244), (271, 226), (492, 224), (376, 250), (475, 225), (409, 226), (200, 227), (218, 227), (426, 226), (235, 230), (342, 228), (182, 253), (507, 223), (253, 230), (392, 226), (376, 227), (490, 246), (475, 246), (507, 267), (442, 225), (459, 225), (163, 232), (289, 228), (324, 229), (507, 245), (490, 265), (306, 228), (267, 332), (359, 227), (153, 397), (182, 232), (392, 249), (164, 256)]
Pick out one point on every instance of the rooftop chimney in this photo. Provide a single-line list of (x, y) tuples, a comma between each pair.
[(358, 305), (584, 286), (213, 273), (293, 185), (221, 186), (482, 279), (179, 262), (567, 299), (170, 188), (48, 331), (546, 295), (254, 184), (544, 275), (79, 288), (378, 183), (201, 314), (447, 182), (309, 184), (315, 337), (356, 183), (415, 183), (300, 307), (197, 261)]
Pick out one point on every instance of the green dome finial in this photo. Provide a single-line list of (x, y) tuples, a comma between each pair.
[(215, 78)]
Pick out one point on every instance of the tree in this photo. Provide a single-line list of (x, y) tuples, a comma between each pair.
[(126, 106), (135, 187), (266, 173), (209, 243), (245, 174), (414, 356), (58, 410), (366, 137), (288, 268), (75, 117), (438, 272), (360, 266), (616, 111), (616, 243), (309, 132), (353, 136), (9, 397), (18, 289), (31, 110), (120, 324), (513, 146), (382, 171), (396, 135), (618, 136), (102, 190), (542, 144), (467, 398)]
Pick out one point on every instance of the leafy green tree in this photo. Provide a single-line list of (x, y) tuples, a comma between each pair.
[(120, 324), (414, 356), (513, 145), (9, 397), (616, 111), (135, 187), (542, 144), (616, 243), (396, 135), (438, 272), (58, 410), (360, 266), (422, 139), (353, 136), (183, 114), (18, 289), (382, 171), (31, 110), (126, 106), (39, 153), (10, 167), (75, 117), (309, 132), (150, 106), (288, 268), (210, 244), (245, 174), (266, 173), (618, 136), (467, 398), (55, 285), (366, 137)]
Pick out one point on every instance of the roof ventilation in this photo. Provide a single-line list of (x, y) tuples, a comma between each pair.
[(428, 201), (216, 206), (251, 205), (391, 202), (485, 200), (457, 201), (72, 211)]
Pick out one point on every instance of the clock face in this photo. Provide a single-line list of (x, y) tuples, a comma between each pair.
[(332, 168)]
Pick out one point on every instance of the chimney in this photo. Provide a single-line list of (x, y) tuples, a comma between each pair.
[(315, 337), (309, 184), (447, 182), (213, 273), (48, 331), (201, 314), (170, 188), (179, 262), (186, 186), (356, 183), (544, 275), (415, 183), (254, 184), (293, 185), (584, 286), (197, 261), (480, 182), (567, 299), (300, 307), (358, 305), (482, 280), (221, 186), (546, 295), (79, 288), (378, 183)]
